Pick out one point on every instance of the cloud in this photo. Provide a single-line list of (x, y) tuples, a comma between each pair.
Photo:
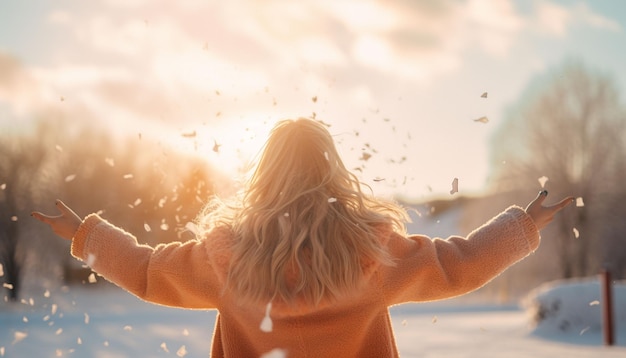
[(153, 59), (139, 61), (585, 15), (557, 20), (18, 87), (552, 18), (493, 25)]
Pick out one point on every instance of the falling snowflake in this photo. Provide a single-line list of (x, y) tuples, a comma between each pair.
[(542, 181), (79, 341), (59, 331), (70, 177), (482, 119), (275, 353), (45, 294), (86, 318), (7, 286), (110, 161), (128, 176), (455, 186), (14, 218), (1, 270), (326, 156), (579, 202), (91, 258), (216, 146), (19, 336), (576, 233), (185, 332), (332, 200), (164, 347), (189, 134), (286, 215), (594, 303), (266, 323), (584, 330), (182, 351), (92, 278), (365, 156), (193, 228), (3, 186), (128, 328), (147, 227), (58, 148)]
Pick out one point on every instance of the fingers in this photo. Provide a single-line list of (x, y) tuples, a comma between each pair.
[(64, 209), (49, 219), (562, 204), (540, 198), (41, 217)]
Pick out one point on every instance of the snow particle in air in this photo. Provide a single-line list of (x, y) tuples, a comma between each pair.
[(579, 202), (455, 186), (266, 323)]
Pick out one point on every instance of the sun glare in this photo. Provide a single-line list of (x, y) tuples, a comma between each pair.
[(230, 145)]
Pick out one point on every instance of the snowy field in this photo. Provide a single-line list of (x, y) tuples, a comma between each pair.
[(106, 322)]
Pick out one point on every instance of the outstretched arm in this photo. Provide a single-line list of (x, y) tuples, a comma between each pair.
[(431, 269), (64, 225), (175, 274)]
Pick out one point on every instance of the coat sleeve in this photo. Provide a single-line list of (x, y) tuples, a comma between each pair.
[(175, 274), (431, 269)]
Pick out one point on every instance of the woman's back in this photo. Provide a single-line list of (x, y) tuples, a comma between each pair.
[(303, 264)]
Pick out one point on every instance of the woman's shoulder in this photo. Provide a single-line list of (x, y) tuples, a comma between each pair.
[(218, 242), (217, 238)]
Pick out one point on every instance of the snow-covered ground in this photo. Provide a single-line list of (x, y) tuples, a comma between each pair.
[(106, 322)]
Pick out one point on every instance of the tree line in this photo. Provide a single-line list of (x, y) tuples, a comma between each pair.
[(141, 186), (567, 132)]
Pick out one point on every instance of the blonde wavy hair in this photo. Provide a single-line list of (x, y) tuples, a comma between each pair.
[(303, 229)]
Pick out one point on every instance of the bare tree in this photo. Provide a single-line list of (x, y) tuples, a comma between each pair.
[(569, 127), (19, 159)]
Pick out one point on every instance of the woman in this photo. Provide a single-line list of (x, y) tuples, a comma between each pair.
[(303, 262)]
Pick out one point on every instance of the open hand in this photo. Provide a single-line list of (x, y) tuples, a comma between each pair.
[(543, 215), (64, 225)]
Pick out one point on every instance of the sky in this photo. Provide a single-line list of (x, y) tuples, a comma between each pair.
[(399, 83)]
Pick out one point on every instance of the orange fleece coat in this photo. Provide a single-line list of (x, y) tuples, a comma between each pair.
[(192, 275)]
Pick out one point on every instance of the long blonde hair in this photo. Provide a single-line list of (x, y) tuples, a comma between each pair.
[(303, 229)]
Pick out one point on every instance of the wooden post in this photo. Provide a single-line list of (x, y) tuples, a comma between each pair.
[(607, 307)]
